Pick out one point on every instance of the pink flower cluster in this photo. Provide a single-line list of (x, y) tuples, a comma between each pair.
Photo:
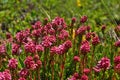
[(85, 47), (61, 49), (95, 40), (2, 49), (13, 63), (117, 43), (32, 64), (104, 64), (5, 75), (21, 36), (117, 64), (16, 49), (81, 30)]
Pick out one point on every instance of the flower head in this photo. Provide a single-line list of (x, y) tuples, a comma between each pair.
[(85, 47), (13, 63)]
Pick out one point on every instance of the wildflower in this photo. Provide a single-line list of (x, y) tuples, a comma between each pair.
[(76, 75), (13, 63), (86, 71), (39, 48), (29, 63), (45, 21), (76, 58), (96, 69), (37, 32), (81, 30), (103, 27), (7, 75), (88, 28), (38, 63), (24, 72), (84, 77), (85, 47), (68, 44), (21, 78), (2, 49), (78, 3), (117, 60), (51, 31), (83, 19), (73, 21), (15, 49), (2, 77), (104, 63), (88, 36), (72, 78), (21, 36), (37, 24), (117, 43), (95, 40), (46, 43), (54, 50), (117, 68), (63, 35), (30, 47), (8, 36), (58, 24)]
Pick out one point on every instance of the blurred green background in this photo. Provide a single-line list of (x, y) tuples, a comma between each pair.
[(19, 14)]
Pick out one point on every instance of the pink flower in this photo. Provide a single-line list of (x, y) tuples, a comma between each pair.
[(103, 27), (54, 50), (76, 58), (46, 43), (24, 73), (117, 43), (48, 40), (2, 77), (7, 75), (81, 30), (76, 75), (29, 63), (67, 44), (58, 24), (95, 40), (30, 47), (21, 36), (86, 71), (39, 48), (51, 31), (72, 78), (15, 49), (96, 69), (8, 36), (21, 78), (117, 68), (13, 63), (83, 19), (84, 77), (63, 35), (117, 60), (88, 36), (85, 47), (39, 64), (88, 28), (2, 49), (73, 20), (37, 32), (104, 63)]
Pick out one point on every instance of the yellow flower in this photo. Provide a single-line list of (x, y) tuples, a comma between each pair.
[(83, 38), (73, 35), (78, 3)]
